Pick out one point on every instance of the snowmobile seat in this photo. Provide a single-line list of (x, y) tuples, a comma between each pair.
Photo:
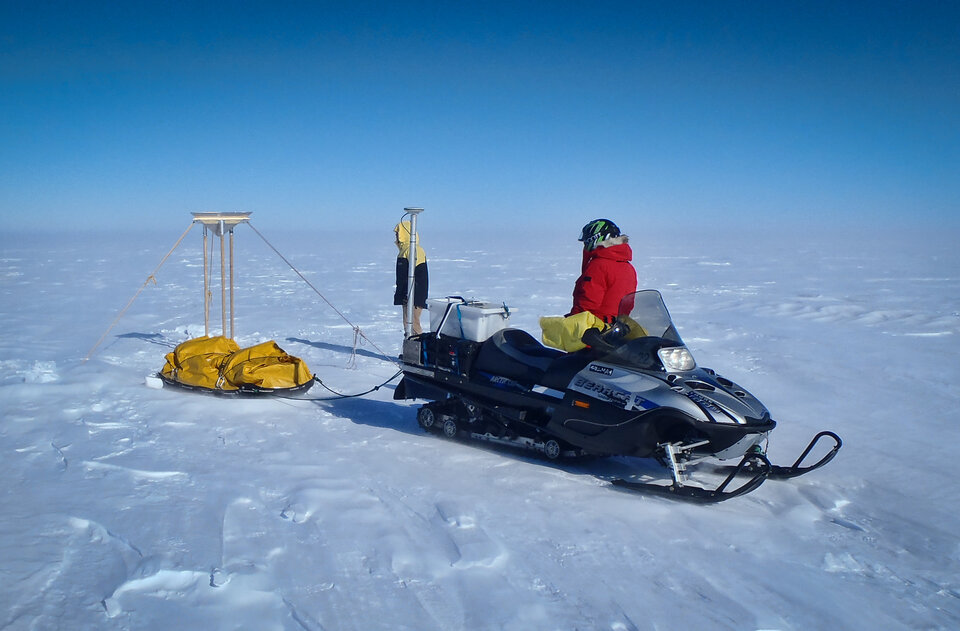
[(515, 354)]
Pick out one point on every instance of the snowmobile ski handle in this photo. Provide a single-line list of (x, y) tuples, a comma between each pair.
[(795, 470)]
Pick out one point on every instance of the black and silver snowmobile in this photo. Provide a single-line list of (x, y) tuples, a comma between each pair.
[(634, 391)]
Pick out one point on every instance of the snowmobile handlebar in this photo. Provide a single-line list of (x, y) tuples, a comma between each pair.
[(608, 338)]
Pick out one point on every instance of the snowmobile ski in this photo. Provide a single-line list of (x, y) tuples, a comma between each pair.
[(698, 494), (753, 464)]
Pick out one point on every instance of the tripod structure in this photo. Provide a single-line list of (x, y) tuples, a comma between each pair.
[(218, 225)]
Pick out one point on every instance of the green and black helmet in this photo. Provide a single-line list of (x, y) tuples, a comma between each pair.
[(596, 231)]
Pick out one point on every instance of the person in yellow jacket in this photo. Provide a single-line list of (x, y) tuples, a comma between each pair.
[(421, 277)]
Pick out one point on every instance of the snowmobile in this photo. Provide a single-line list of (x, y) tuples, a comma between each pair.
[(635, 390)]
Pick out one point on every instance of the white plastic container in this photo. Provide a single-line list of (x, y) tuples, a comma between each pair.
[(471, 319)]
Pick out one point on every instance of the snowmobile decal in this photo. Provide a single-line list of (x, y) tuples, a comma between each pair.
[(703, 401), (604, 392), (550, 392), (639, 403), (503, 382)]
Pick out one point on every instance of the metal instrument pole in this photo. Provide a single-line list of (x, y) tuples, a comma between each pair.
[(223, 286), (231, 283), (206, 287), (411, 267)]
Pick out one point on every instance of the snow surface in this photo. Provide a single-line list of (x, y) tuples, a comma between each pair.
[(127, 507)]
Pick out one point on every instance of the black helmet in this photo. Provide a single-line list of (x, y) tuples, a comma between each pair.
[(596, 231)]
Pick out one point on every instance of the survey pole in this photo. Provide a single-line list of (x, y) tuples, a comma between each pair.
[(231, 284), (411, 268), (206, 286), (223, 282)]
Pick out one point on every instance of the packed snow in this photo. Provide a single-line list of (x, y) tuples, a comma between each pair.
[(130, 507)]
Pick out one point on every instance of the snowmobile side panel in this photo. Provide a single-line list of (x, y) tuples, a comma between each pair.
[(441, 385), (606, 430)]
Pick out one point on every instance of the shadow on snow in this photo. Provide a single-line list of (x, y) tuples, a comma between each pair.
[(340, 348), (403, 419)]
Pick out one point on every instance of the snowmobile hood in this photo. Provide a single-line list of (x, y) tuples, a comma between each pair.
[(402, 239), (720, 399)]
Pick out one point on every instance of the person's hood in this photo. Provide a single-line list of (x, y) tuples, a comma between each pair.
[(614, 248), (401, 234)]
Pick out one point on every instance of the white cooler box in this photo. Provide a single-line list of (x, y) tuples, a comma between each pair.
[(469, 319)]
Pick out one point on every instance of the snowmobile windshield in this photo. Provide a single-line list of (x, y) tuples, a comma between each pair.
[(642, 329), (646, 316)]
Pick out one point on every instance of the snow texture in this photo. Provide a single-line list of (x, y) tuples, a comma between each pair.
[(129, 507)]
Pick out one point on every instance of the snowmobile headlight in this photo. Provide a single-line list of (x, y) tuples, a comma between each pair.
[(677, 359)]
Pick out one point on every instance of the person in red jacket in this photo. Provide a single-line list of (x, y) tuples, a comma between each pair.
[(606, 273)]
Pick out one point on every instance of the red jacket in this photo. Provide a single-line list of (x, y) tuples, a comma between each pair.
[(607, 276)]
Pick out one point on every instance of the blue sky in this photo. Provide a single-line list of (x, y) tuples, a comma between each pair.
[(533, 113)]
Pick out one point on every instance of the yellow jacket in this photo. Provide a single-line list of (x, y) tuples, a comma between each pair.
[(402, 238)]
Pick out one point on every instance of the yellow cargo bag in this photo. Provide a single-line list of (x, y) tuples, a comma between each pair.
[(197, 362), (265, 366), (218, 363)]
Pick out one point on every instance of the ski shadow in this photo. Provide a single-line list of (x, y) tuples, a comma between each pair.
[(340, 348)]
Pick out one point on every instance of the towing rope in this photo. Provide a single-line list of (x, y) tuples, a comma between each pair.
[(339, 395), (358, 334)]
